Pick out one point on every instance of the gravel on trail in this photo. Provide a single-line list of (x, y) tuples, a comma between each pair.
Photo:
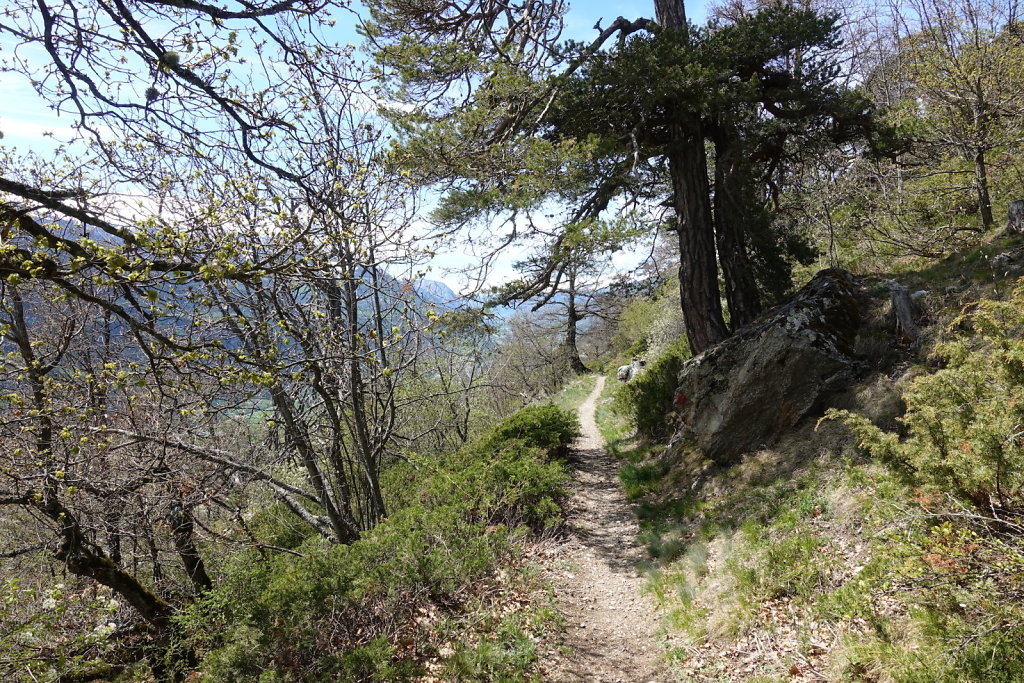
[(611, 630)]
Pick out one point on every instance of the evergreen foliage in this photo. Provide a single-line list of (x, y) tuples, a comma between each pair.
[(647, 399), (343, 612), (965, 422), (544, 426)]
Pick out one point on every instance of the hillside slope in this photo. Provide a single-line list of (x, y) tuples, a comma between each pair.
[(882, 545)]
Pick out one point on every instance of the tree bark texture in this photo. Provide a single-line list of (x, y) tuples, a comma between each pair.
[(1015, 217), (731, 216), (183, 532), (698, 269), (670, 13)]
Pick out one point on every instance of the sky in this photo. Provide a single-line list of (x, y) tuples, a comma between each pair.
[(25, 121), (29, 124)]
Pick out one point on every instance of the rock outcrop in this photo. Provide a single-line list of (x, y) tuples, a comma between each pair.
[(743, 393), (629, 372)]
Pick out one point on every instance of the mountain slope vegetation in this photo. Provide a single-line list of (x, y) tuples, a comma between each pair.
[(879, 542), (243, 436)]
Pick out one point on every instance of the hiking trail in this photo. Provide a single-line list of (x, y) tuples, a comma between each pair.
[(611, 624)]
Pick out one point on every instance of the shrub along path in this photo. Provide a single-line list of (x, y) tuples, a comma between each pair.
[(611, 625)]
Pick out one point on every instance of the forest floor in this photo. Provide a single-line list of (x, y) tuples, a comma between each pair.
[(611, 629)]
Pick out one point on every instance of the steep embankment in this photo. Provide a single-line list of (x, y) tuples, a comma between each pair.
[(882, 544), (611, 626)]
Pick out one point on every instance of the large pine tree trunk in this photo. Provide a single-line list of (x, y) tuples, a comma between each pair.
[(670, 13), (731, 214), (698, 270)]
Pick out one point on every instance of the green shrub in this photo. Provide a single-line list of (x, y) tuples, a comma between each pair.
[(965, 421), (511, 485), (335, 612), (962, 567), (278, 526), (647, 399), (505, 655), (544, 426), (507, 477)]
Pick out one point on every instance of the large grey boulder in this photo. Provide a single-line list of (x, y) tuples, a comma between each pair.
[(741, 394)]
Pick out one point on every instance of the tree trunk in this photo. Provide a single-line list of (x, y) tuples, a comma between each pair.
[(731, 217), (1015, 217), (343, 524), (698, 270), (79, 555), (85, 559), (981, 183), (183, 533), (361, 428), (670, 13), (903, 309), (572, 351)]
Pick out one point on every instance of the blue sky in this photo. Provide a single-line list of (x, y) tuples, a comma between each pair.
[(582, 14)]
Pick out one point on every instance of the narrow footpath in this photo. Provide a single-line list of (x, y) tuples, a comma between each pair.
[(611, 630)]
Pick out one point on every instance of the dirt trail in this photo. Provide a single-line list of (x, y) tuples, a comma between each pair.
[(611, 624)]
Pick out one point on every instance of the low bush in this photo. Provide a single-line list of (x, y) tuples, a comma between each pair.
[(354, 612), (961, 550), (647, 399), (544, 426), (965, 421)]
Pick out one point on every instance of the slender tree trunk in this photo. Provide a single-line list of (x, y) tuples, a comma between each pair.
[(572, 351), (343, 524), (698, 270), (358, 391), (1015, 218), (183, 533), (981, 183), (731, 215)]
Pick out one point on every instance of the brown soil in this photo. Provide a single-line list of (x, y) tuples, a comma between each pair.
[(611, 632)]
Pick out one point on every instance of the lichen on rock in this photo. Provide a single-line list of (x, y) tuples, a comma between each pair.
[(741, 394)]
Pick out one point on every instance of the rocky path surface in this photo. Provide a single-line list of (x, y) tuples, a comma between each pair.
[(610, 635)]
